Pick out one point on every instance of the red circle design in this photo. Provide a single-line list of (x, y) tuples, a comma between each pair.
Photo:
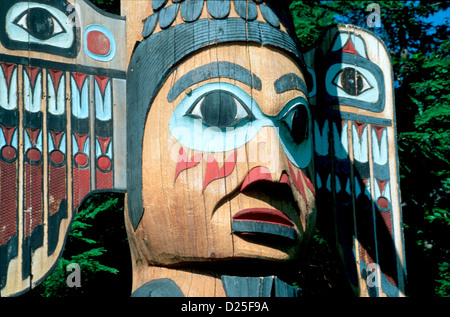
[(104, 163), (34, 155), (98, 43), (81, 159), (57, 157), (383, 203), (9, 152)]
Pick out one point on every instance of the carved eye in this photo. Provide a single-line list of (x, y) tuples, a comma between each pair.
[(219, 108), (40, 23), (351, 81), (297, 121)]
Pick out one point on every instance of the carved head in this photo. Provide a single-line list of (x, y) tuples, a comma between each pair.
[(222, 168)]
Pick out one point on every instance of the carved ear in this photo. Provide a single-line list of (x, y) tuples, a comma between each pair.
[(62, 128), (357, 179)]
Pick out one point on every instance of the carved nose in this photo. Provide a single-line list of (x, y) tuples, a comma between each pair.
[(261, 173)]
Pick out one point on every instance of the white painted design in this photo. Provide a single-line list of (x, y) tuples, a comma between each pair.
[(8, 99), (56, 99)]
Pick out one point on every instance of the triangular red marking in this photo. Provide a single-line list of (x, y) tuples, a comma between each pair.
[(8, 132), (349, 48), (56, 138), (360, 127), (183, 162), (102, 82), (81, 139), (379, 131), (33, 134), (381, 184), (56, 77), (104, 143), (8, 70), (79, 79), (32, 72)]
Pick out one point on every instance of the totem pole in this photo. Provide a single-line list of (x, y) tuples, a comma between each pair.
[(226, 139)]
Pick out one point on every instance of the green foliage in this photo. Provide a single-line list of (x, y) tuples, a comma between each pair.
[(97, 243)]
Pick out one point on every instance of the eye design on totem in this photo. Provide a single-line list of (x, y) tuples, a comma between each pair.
[(48, 25), (296, 120), (351, 81), (41, 25), (216, 117), (220, 108)]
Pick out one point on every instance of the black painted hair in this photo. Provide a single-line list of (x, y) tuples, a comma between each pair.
[(155, 58)]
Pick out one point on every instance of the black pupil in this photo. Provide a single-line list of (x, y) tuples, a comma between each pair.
[(300, 125), (351, 81), (40, 24), (219, 109)]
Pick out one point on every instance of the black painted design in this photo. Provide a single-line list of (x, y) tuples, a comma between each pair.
[(191, 10), (41, 25), (289, 82), (214, 70), (163, 287), (148, 72)]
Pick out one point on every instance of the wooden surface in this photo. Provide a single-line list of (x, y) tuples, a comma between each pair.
[(93, 102), (62, 140)]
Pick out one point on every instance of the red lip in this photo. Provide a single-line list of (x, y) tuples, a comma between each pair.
[(273, 216)]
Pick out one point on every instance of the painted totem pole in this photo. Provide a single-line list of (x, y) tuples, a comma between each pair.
[(227, 140)]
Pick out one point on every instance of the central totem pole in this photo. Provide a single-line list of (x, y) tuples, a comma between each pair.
[(228, 140)]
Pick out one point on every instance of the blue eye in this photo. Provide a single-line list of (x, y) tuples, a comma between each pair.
[(220, 108), (39, 23)]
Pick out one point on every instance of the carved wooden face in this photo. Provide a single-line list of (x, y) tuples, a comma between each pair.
[(227, 160)]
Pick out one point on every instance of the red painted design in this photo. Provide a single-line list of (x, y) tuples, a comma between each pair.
[(184, 163), (57, 187), (33, 197), (32, 72), (104, 143), (104, 180), (212, 168), (81, 185), (98, 43), (102, 82), (284, 178), (56, 138), (349, 48), (359, 127), (297, 179), (8, 151), (264, 215), (383, 203), (381, 184), (8, 207), (34, 155), (81, 140), (79, 79), (378, 131), (259, 173), (104, 163), (57, 157), (56, 77), (81, 159), (33, 135), (8, 70)]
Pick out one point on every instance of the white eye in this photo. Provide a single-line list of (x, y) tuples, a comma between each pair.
[(351, 81), (219, 108), (39, 23)]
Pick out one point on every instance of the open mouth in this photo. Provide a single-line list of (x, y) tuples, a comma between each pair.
[(264, 221)]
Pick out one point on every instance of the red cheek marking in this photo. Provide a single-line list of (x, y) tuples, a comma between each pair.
[(256, 174), (297, 180), (184, 163), (212, 168)]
